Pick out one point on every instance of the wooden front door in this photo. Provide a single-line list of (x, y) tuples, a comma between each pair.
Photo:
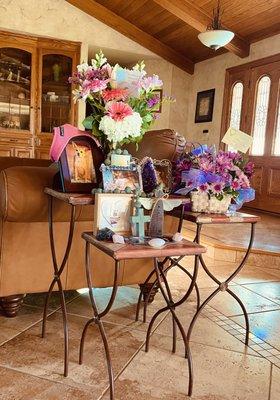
[(252, 105)]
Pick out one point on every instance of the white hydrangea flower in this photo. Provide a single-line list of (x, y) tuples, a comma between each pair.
[(117, 131)]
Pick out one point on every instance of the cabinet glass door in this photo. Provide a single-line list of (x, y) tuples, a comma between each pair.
[(15, 89), (56, 91)]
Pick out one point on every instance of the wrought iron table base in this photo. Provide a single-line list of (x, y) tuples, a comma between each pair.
[(146, 297), (222, 287), (58, 270), (97, 318), (170, 305)]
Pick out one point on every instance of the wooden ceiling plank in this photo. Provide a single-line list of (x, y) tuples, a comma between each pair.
[(123, 26), (199, 20)]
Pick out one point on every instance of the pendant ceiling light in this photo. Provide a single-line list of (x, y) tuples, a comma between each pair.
[(215, 36)]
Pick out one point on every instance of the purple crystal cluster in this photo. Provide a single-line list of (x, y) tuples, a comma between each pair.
[(149, 177)]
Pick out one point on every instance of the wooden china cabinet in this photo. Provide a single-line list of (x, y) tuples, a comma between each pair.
[(35, 94)]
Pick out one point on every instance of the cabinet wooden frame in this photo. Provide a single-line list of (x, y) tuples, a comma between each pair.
[(35, 142)]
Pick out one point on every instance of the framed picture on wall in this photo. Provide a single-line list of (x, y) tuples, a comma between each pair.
[(158, 107), (204, 106)]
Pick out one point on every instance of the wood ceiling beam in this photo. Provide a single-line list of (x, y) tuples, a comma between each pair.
[(195, 17), (123, 26)]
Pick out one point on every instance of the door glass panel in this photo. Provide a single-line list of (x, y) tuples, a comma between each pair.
[(276, 150), (56, 91), (260, 116), (236, 105), (15, 85)]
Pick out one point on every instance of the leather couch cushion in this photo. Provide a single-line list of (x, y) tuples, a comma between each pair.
[(159, 144), (8, 162), (22, 197)]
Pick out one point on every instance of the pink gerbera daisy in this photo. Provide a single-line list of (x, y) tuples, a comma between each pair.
[(114, 94), (119, 110)]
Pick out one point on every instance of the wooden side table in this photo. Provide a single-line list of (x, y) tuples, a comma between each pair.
[(128, 251), (201, 219), (73, 200)]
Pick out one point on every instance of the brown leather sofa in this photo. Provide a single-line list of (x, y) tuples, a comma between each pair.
[(25, 262)]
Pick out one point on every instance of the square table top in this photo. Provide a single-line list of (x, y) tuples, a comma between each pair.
[(134, 251), (203, 218), (75, 199), (80, 199)]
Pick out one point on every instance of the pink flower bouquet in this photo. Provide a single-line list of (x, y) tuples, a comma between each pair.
[(123, 100)]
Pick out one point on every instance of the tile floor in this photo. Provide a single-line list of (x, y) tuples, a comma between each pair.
[(31, 367)]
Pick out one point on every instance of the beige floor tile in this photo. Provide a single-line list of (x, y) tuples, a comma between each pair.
[(227, 305), (275, 384), (10, 327), (222, 270), (29, 353), (124, 308), (219, 375), (205, 331), (16, 385), (179, 279), (269, 290), (265, 325), (251, 274)]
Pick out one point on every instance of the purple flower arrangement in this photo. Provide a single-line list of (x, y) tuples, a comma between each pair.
[(217, 174)]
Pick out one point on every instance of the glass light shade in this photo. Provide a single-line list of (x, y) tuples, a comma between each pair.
[(215, 38)]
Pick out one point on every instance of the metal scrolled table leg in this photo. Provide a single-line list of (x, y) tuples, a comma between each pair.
[(173, 262), (56, 279), (172, 307), (97, 318), (223, 286)]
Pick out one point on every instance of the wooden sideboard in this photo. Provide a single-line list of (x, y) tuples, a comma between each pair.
[(35, 94)]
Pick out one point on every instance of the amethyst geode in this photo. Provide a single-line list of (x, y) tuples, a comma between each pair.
[(149, 176)]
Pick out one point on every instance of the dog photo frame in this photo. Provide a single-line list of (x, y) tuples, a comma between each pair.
[(79, 165)]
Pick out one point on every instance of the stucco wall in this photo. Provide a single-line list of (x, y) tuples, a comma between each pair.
[(175, 84), (210, 74)]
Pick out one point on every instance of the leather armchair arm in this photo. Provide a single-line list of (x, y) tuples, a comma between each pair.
[(22, 197)]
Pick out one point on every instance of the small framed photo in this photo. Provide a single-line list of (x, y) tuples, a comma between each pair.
[(113, 211), (204, 106), (80, 165), (163, 170), (158, 108), (121, 178)]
